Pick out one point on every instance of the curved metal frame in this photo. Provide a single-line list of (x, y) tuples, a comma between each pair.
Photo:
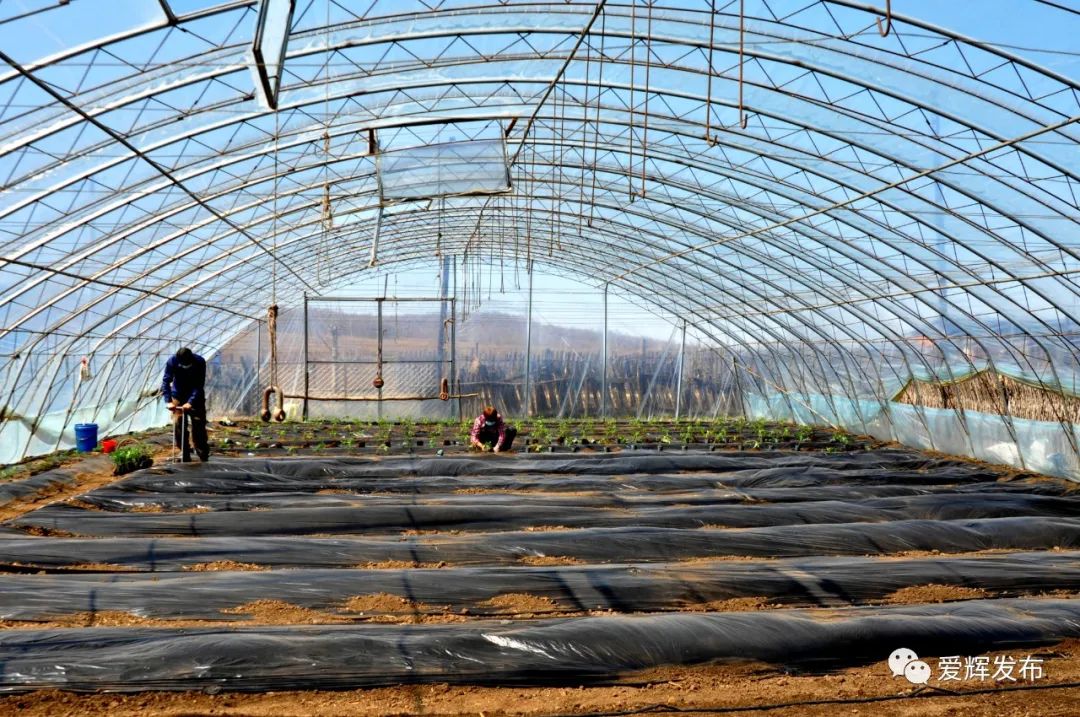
[(783, 312)]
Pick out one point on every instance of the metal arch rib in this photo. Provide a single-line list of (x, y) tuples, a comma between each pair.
[(893, 159), (759, 54), (891, 185), (261, 180), (815, 240), (119, 139)]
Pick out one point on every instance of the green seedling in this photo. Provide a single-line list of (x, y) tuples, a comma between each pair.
[(131, 458)]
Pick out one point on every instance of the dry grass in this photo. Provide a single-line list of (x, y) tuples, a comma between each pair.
[(993, 393)]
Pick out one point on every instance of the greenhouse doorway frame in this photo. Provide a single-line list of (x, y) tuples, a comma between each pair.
[(445, 303)]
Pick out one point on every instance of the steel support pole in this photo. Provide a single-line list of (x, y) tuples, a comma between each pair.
[(258, 359), (528, 348), (679, 377), (604, 359), (453, 342), (453, 356), (378, 352), (738, 385), (307, 370), (444, 288)]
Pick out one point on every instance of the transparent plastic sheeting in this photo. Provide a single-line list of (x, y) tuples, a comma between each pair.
[(1048, 379), (475, 167), (21, 436), (912, 194), (577, 649), (621, 588), (1039, 446)]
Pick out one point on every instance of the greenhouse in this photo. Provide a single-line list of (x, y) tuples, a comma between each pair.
[(768, 306)]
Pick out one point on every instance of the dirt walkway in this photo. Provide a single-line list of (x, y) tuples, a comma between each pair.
[(97, 473)]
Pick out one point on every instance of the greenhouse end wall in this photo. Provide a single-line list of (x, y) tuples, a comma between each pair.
[(1040, 446)]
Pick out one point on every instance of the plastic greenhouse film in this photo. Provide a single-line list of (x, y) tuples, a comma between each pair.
[(609, 494), (650, 472), (595, 545), (40, 483), (209, 480), (591, 464), (381, 519), (571, 588), (495, 653)]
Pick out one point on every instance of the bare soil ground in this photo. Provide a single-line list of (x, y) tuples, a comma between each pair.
[(85, 481), (279, 612), (88, 567), (933, 593), (549, 560), (103, 618), (397, 565), (223, 565), (516, 603), (704, 689)]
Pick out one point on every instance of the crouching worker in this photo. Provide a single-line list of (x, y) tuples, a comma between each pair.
[(490, 432), (183, 387)]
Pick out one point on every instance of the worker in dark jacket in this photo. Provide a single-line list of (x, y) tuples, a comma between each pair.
[(490, 433), (183, 387)]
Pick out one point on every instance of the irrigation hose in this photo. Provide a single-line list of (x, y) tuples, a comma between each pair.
[(279, 414), (271, 326)]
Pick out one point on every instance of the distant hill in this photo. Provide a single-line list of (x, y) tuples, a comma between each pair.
[(335, 334)]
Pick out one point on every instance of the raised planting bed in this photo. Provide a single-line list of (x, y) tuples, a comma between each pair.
[(345, 437), (316, 573)]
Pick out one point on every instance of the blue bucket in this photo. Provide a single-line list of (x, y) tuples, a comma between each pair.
[(85, 437)]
